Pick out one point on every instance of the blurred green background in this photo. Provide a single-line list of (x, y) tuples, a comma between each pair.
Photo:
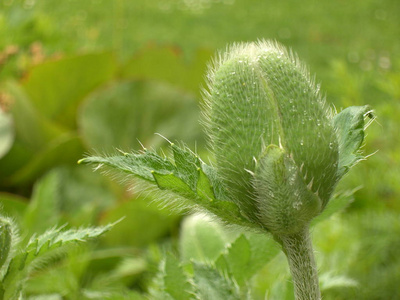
[(79, 77)]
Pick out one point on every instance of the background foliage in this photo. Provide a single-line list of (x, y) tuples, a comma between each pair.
[(82, 75)]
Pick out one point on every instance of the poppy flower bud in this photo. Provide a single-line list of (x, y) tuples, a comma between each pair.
[(271, 132)]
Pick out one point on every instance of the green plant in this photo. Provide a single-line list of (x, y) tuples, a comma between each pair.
[(18, 259), (279, 152)]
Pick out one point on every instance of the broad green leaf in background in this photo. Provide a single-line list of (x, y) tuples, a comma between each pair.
[(202, 240), (144, 223), (32, 133), (43, 210), (57, 87), (44, 106), (6, 133), (32, 129), (13, 205), (66, 195), (62, 150), (126, 112), (168, 64), (126, 272)]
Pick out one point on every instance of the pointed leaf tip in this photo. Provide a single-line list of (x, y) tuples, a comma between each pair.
[(350, 126)]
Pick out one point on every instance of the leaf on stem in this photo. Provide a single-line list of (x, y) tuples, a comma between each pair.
[(350, 126), (185, 176), (52, 242)]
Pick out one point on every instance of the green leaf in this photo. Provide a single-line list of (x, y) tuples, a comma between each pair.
[(13, 205), (33, 133), (263, 250), (43, 212), (139, 108), (187, 164), (204, 188), (140, 164), (175, 281), (350, 126), (237, 260), (57, 87), (32, 129), (139, 214), (6, 133), (201, 239), (173, 183), (167, 64), (46, 297), (210, 284), (338, 202), (65, 149), (53, 241), (83, 195), (247, 255), (185, 177)]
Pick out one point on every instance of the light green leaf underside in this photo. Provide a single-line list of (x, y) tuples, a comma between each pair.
[(186, 176), (350, 125)]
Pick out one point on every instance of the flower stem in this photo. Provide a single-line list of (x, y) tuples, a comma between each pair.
[(299, 252)]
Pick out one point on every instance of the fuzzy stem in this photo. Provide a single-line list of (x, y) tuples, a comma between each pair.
[(299, 252)]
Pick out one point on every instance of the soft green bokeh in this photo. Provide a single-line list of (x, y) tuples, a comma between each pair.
[(64, 64)]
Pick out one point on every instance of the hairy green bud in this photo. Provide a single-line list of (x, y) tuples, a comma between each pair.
[(260, 95)]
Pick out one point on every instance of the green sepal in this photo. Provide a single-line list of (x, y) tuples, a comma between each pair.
[(285, 202), (350, 126)]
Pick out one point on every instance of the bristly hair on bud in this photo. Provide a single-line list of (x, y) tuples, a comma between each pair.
[(260, 93)]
